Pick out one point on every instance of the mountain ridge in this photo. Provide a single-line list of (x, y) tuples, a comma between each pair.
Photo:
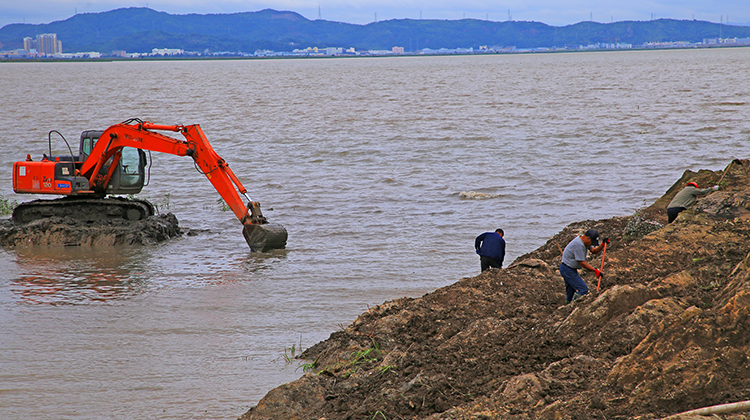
[(141, 29)]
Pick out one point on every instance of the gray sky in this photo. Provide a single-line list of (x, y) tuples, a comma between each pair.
[(551, 12)]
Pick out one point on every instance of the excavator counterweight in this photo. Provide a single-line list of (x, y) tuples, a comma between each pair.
[(113, 162)]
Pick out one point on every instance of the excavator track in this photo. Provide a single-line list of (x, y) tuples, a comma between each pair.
[(85, 209)]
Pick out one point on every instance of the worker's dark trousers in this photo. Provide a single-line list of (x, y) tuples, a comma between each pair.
[(672, 213), (573, 282), (488, 263)]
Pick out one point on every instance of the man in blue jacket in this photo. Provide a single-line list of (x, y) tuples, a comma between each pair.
[(491, 249)]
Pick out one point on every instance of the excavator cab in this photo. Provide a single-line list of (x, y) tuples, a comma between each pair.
[(130, 174)]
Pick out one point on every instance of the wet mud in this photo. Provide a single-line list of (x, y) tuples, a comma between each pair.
[(67, 231)]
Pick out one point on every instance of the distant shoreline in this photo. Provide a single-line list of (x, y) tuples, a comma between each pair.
[(232, 58)]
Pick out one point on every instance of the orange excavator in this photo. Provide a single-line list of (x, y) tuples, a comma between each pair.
[(113, 161)]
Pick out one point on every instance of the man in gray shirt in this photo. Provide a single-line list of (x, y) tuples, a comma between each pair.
[(574, 257), (686, 198)]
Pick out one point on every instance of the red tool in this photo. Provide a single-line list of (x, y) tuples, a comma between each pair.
[(604, 252)]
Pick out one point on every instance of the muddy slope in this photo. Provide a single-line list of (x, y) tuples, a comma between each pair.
[(669, 331), (58, 231)]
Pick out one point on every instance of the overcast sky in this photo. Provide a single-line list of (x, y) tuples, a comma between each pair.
[(551, 12)]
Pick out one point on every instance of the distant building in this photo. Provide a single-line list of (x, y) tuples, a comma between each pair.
[(18, 54), (397, 50), (119, 54), (45, 44), (166, 51), (726, 41)]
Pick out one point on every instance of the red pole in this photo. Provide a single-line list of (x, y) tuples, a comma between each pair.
[(604, 252)]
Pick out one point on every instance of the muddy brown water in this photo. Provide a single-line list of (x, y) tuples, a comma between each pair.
[(364, 161)]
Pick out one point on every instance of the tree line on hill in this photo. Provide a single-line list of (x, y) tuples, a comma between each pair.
[(139, 29)]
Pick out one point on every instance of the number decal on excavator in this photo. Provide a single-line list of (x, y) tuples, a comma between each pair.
[(47, 182), (133, 138)]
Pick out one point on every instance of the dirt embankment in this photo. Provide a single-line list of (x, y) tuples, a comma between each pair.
[(67, 231), (669, 331)]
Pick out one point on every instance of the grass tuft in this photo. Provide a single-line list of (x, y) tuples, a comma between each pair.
[(7, 205)]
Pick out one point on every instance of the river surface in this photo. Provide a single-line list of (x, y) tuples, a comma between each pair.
[(383, 171)]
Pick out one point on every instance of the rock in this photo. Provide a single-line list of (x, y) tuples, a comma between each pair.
[(533, 263), (290, 400), (526, 388)]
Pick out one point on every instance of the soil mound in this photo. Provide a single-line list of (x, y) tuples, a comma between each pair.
[(66, 231), (669, 330)]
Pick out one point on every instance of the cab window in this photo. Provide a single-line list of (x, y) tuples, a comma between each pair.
[(130, 164), (87, 146)]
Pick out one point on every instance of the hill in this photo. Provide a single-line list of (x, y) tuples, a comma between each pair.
[(668, 332), (142, 29)]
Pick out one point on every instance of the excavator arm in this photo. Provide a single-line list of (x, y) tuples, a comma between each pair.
[(259, 234)]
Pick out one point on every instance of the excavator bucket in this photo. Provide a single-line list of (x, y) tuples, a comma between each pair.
[(265, 237)]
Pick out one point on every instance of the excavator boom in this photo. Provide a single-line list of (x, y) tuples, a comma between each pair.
[(100, 163)]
